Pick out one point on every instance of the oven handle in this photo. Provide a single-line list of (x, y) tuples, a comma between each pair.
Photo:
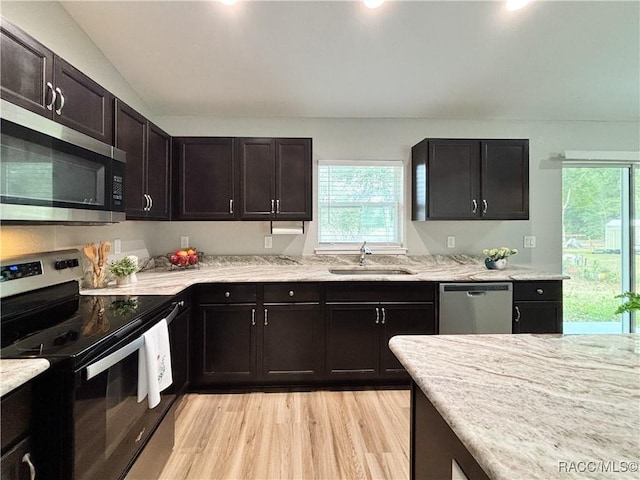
[(109, 361)]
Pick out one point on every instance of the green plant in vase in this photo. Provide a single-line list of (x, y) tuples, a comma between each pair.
[(123, 269), (497, 257)]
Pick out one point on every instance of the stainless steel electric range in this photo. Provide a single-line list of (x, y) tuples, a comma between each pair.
[(88, 421)]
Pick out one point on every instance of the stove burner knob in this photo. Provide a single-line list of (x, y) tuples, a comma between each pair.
[(64, 264)]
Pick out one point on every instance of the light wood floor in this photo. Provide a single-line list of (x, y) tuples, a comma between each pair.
[(306, 435)]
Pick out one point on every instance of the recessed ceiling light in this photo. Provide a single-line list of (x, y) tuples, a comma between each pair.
[(228, 2), (516, 4), (373, 3)]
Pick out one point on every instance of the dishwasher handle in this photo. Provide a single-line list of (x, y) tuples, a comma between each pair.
[(476, 294)]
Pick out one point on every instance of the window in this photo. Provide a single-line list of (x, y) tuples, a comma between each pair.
[(360, 200)]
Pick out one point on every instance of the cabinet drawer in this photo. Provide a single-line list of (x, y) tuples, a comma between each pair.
[(230, 293), (291, 292), (381, 292), (16, 415), (537, 291)]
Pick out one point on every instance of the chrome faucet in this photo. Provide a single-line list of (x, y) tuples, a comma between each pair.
[(364, 250)]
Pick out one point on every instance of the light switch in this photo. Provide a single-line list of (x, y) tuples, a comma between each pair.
[(184, 242), (268, 241), (451, 241)]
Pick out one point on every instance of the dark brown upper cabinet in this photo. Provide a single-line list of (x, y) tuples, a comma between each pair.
[(470, 179), (36, 79), (275, 178), (205, 179), (148, 148)]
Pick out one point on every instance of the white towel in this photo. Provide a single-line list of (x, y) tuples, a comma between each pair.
[(154, 363)]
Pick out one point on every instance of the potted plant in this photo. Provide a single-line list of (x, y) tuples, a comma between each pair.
[(122, 270), (497, 257), (631, 303)]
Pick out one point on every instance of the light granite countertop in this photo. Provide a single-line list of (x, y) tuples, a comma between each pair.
[(14, 373), (163, 280), (535, 406)]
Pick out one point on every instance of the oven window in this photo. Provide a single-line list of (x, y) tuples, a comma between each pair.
[(36, 169), (110, 425)]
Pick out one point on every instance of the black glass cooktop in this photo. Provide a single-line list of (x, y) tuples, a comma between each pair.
[(89, 324)]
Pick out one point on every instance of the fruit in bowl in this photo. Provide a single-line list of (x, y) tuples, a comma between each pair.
[(184, 257)]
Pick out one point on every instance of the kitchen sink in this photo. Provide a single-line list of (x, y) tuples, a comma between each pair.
[(371, 271)]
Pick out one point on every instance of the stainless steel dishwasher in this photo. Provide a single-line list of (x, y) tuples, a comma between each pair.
[(475, 308)]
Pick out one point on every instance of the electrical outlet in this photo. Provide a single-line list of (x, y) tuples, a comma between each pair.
[(268, 241), (184, 242), (529, 241), (451, 241), (117, 246)]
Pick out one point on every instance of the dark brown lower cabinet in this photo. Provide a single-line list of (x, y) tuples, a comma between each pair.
[(292, 340), (353, 341), (403, 320), (18, 461), (358, 331), (537, 307), (225, 345), (434, 446)]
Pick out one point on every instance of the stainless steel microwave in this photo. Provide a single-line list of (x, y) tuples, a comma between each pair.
[(50, 173)]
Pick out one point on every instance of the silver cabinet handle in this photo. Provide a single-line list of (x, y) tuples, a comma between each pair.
[(231, 205), (227, 294), (273, 206), (539, 291), (377, 315), (59, 109), (474, 204), (384, 316), (54, 95), (266, 317), (26, 458), (253, 316), (517, 319), (485, 206), (277, 206), (291, 293), (150, 202), (146, 203)]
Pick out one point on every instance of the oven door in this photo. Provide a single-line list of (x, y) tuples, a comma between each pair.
[(110, 426)]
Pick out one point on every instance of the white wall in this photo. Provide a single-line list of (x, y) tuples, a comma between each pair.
[(332, 139)]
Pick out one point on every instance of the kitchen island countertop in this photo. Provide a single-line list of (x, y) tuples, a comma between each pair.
[(14, 373), (535, 406), (315, 268)]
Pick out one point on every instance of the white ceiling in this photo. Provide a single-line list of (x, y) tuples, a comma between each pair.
[(553, 60)]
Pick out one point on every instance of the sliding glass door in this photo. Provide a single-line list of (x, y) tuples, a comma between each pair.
[(598, 246)]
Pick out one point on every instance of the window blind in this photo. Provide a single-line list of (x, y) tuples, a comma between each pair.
[(360, 200)]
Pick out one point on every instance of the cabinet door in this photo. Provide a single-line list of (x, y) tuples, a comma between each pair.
[(293, 179), (27, 67), (15, 463), (206, 179), (157, 172), (227, 344), (293, 346), (353, 341), (505, 179), (403, 320), (537, 317), (83, 104), (131, 136), (453, 179), (257, 178), (179, 343)]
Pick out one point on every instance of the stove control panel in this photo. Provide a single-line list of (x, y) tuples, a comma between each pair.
[(62, 264), (20, 270)]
